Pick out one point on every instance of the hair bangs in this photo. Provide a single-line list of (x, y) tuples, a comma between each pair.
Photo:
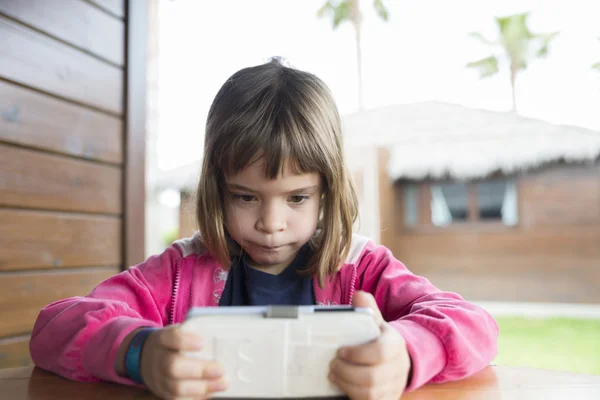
[(280, 138)]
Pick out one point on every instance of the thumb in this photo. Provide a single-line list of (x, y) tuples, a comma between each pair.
[(366, 300)]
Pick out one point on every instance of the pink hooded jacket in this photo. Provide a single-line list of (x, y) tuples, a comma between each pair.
[(447, 337)]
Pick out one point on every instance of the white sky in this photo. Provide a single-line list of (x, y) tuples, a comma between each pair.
[(419, 54)]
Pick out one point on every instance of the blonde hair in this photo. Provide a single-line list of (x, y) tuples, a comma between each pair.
[(278, 114)]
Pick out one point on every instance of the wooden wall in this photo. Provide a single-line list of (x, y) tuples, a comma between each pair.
[(71, 138), (552, 255)]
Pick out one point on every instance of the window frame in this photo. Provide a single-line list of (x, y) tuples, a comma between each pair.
[(472, 223)]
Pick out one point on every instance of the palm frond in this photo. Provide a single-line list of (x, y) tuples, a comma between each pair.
[(339, 11), (546, 39), (522, 63), (481, 38), (514, 26), (342, 13), (325, 9), (381, 10), (486, 66)]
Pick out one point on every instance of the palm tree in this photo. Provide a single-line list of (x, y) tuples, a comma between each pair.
[(349, 10), (516, 44), (597, 65)]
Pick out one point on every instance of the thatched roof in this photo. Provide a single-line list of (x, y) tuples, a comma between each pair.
[(440, 140), (184, 178)]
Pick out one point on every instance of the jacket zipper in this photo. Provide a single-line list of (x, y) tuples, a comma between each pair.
[(352, 283), (174, 295)]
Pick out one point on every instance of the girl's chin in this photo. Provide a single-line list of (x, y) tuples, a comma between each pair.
[(269, 259)]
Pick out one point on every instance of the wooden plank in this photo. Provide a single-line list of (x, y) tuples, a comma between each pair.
[(551, 200), (36, 240), (511, 282), (574, 241), (115, 7), (73, 21), (22, 373), (25, 294), (547, 264), (31, 179), (14, 352), (425, 204), (36, 120), (473, 204), (389, 214), (135, 134), (33, 59)]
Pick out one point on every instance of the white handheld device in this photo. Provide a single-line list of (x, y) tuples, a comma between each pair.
[(279, 351)]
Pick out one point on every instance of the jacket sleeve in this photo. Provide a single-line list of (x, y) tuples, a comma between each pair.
[(78, 337), (447, 337)]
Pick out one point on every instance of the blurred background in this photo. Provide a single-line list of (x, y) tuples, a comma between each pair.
[(472, 130)]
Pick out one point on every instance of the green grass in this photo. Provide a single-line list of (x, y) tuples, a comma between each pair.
[(561, 344)]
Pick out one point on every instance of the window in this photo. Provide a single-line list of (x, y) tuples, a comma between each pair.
[(444, 204), (449, 203), (411, 205), (497, 201)]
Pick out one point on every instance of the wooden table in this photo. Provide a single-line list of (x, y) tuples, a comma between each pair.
[(493, 383)]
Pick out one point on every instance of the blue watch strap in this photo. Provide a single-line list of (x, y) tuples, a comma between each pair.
[(133, 355)]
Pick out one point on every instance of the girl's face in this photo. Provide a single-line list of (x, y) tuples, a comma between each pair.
[(272, 219)]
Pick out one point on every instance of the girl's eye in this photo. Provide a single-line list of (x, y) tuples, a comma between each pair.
[(244, 198), (298, 199)]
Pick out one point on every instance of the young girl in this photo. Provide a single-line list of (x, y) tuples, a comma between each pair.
[(275, 209)]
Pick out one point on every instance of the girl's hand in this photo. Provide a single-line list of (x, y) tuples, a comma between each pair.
[(375, 370), (171, 374)]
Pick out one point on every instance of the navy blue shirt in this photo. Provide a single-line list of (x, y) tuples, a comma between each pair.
[(247, 286)]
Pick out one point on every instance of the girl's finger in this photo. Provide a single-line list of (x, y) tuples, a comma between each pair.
[(182, 367), (384, 348), (194, 387), (174, 338), (354, 391), (363, 375), (391, 390), (366, 300)]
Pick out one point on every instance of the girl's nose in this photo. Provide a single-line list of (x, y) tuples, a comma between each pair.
[(272, 220)]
